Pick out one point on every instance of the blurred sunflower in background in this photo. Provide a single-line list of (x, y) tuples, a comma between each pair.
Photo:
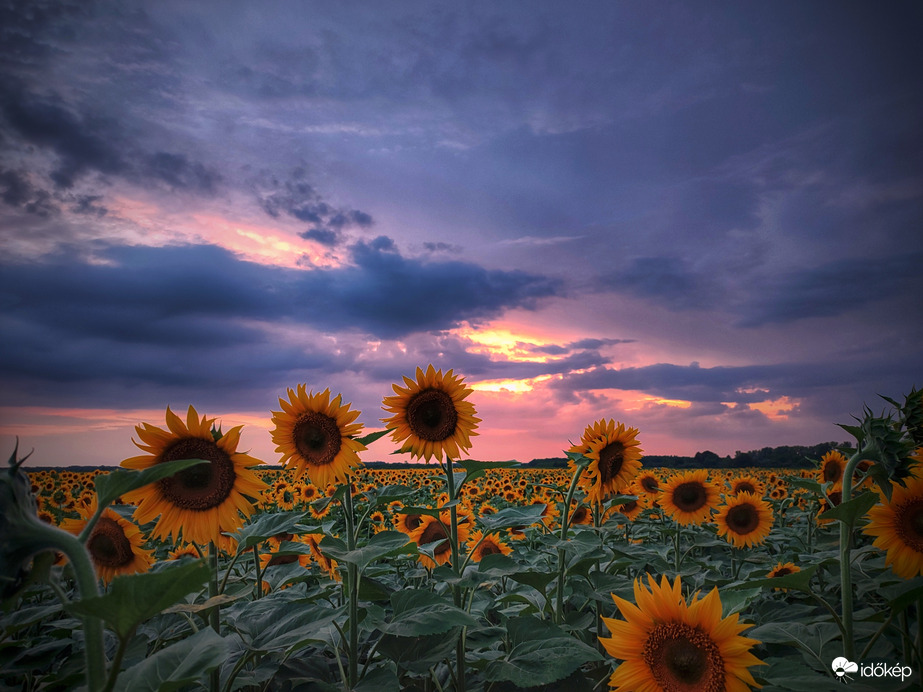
[(115, 544), (689, 497), (747, 484), (897, 525), (315, 434), (430, 415), (615, 457), (669, 646), (201, 502), (744, 520)]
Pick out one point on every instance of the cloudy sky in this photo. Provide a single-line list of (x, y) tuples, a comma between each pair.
[(700, 219)]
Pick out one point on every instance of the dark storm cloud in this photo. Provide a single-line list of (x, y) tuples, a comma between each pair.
[(153, 314), (19, 192), (836, 288), (85, 141), (669, 281), (297, 198), (742, 384)]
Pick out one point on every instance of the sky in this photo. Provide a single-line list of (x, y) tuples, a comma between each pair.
[(702, 220)]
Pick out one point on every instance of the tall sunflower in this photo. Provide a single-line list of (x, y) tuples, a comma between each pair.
[(431, 416), (203, 501), (115, 544), (832, 466), (744, 520), (689, 497), (615, 458), (669, 646), (897, 526), (316, 434)]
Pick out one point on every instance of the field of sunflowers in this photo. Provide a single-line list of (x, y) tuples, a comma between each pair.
[(196, 566)]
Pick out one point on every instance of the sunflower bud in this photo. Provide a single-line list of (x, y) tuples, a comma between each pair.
[(18, 523)]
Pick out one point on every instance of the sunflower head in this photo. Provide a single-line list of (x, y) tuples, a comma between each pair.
[(316, 435), (689, 497), (481, 545), (615, 458), (115, 545), (897, 525), (430, 415), (744, 520), (832, 466), (668, 645), (202, 502)]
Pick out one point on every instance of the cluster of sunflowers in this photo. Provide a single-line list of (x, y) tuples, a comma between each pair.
[(665, 640)]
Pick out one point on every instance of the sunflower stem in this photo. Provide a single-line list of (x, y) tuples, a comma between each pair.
[(259, 573), (88, 586), (849, 647), (456, 567), (214, 617), (565, 524), (352, 585)]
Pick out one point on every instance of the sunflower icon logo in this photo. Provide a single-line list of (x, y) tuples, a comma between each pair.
[(842, 666)]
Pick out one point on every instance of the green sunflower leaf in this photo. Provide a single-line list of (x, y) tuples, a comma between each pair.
[(541, 662), (178, 665), (383, 544), (371, 437), (852, 509), (513, 517), (419, 613), (134, 598), (799, 581), (267, 525)]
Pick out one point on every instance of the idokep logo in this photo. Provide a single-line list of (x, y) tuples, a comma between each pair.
[(845, 670)]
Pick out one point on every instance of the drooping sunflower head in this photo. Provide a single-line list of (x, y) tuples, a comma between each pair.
[(669, 646), (115, 545), (615, 457), (204, 501), (897, 525), (689, 497), (832, 465), (316, 435), (744, 520), (430, 415)]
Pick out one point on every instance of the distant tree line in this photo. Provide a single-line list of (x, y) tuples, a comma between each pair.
[(790, 456)]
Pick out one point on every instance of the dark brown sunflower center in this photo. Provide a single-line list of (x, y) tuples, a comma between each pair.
[(682, 658), (782, 571), (412, 521), (628, 507), (649, 483), (317, 438), (745, 487), (201, 487), (489, 548), (832, 471), (611, 458), (690, 496), (433, 532), (431, 415), (910, 524), (743, 519), (108, 544), (282, 560)]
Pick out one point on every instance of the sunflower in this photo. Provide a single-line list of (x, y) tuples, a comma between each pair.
[(316, 435), (689, 497), (832, 466), (432, 530), (747, 484), (744, 520), (114, 544), (667, 645), (781, 570), (649, 483), (431, 416), (897, 526), (327, 564), (406, 523), (201, 502), (615, 458), (481, 544)]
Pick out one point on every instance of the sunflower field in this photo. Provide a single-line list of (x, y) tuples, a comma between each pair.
[(196, 566)]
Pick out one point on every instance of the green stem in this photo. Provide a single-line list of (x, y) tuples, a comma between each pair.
[(88, 587), (214, 617), (352, 586), (565, 525), (849, 646), (117, 661), (456, 567)]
